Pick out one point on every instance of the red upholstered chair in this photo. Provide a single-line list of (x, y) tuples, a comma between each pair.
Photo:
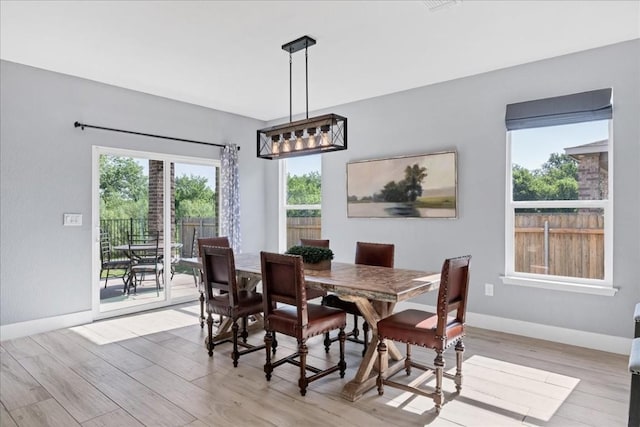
[(431, 330), (287, 312), (376, 254), (196, 250), (219, 271), (320, 243)]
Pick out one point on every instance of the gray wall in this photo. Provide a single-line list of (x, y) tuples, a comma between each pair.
[(468, 115), (45, 170)]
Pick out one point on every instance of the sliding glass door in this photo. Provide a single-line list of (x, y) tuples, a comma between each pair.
[(148, 210)]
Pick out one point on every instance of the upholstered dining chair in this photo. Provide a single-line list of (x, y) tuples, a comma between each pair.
[(220, 241), (287, 312), (437, 331), (319, 243), (376, 254), (219, 271)]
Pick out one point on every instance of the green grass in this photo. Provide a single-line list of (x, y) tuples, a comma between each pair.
[(436, 202)]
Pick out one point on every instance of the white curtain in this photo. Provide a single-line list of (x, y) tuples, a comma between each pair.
[(230, 197)]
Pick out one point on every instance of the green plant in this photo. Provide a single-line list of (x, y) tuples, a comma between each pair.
[(311, 254)]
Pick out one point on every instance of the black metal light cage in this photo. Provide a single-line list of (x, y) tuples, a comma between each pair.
[(315, 135)]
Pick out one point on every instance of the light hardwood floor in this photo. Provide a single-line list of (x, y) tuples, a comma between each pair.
[(152, 369)]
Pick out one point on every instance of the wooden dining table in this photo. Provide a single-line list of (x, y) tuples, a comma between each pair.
[(375, 290)]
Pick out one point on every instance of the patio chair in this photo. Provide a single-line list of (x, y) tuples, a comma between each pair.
[(110, 262), (146, 257)]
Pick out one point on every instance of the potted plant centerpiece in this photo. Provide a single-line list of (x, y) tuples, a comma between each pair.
[(314, 258)]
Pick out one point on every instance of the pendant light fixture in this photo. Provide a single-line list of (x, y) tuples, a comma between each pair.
[(314, 135)]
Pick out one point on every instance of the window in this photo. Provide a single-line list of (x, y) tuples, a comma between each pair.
[(559, 193), (302, 184)]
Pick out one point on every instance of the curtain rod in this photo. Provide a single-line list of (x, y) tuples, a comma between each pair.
[(84, 125)]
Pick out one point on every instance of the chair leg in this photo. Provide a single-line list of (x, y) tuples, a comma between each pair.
[(342, 337), (382, 350), (106, 278), (327, 342), (210, 334), (235, 355), (439, 363), (268, 368), (365, 331), (303, 382), (275, 343), (459, 353), (244, 334), (407, 360), (202, 310)]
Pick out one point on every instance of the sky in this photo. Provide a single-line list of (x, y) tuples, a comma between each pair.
[(532, 147)]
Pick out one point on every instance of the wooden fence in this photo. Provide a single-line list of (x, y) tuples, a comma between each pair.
[(303, 228), (574, 241)]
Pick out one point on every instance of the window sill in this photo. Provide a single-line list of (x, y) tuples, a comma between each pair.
[(559, 286)]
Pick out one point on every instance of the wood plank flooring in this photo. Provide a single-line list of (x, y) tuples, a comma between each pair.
[(151, 369)]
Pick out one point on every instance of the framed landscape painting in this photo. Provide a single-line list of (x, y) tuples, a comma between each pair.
[(422, 186)]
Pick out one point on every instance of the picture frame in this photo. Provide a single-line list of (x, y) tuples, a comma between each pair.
[(416, 186)]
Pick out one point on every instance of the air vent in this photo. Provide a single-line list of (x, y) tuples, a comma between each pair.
[(436, 5)]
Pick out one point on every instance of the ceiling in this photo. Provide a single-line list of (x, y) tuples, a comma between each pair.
[(227, 55)]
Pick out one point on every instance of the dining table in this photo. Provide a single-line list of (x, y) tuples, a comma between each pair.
[(375, 291)]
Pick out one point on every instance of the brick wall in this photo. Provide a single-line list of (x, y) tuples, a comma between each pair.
[(156, 168)]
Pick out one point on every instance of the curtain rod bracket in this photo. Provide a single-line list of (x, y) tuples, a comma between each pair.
[(83, 125)]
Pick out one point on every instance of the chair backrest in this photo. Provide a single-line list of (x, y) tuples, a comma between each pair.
[(152, 243), (283, 282), (320, 243), (105, 247), (452, 295), (377, 254), (221, 242), (219, 271), (194, 243)]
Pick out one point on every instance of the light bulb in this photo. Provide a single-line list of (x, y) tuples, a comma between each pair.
[(299, 142), (285, 145), (275, 144), (311, 141), (324, 138)]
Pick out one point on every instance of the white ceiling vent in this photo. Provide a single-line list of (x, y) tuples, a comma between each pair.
[(436, 5)]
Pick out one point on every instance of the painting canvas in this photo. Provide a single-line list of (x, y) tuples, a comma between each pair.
[(423, 186)]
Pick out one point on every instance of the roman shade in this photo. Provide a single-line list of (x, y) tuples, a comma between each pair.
[(560, 110)]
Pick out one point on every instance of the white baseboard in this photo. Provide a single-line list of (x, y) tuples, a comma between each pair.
[(31, 327), (608, 343)]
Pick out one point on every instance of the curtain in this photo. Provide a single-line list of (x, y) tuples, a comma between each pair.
[(230, 197)]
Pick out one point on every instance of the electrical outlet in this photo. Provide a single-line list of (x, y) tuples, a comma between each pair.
[(72, 219), (488, 289)]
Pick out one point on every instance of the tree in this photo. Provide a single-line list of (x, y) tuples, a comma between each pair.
[(557, 179), (304, 190), (124, 189), (394, 192), (413, 177), (193, 197), (406, 190)]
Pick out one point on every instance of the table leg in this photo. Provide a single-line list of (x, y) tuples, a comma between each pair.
[(363, 380)]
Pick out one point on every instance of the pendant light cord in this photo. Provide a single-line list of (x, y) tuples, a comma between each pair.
[(290, 89), (306, 79)]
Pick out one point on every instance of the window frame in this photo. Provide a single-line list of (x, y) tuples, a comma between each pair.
[(561, 283), (285, 207)]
